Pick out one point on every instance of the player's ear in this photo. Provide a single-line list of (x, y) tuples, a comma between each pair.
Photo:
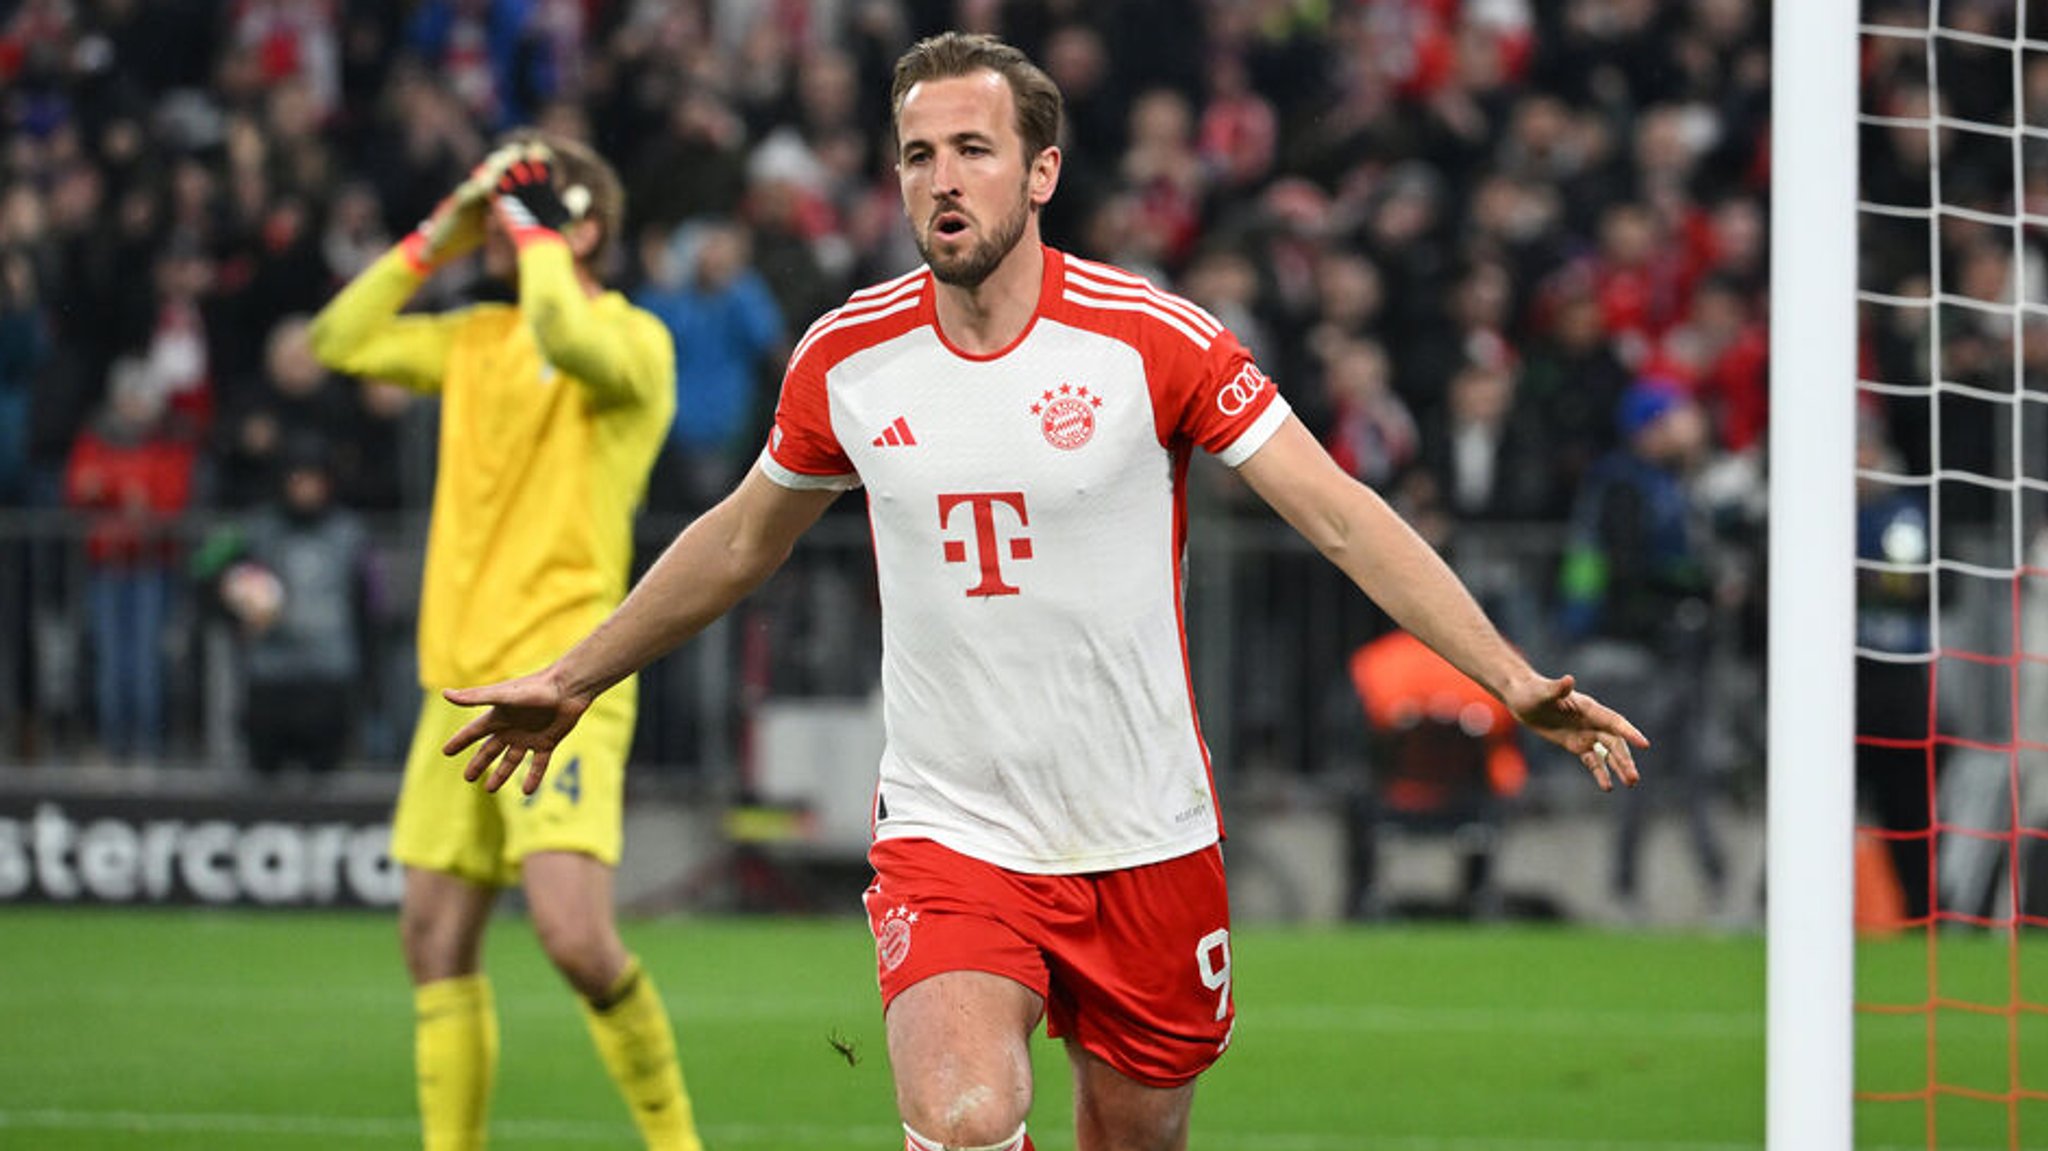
[(1045, 176)]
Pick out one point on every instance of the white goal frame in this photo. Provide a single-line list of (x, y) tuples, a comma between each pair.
[(1810, 823)]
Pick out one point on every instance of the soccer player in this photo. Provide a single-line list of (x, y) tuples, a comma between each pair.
[(552, 411), (1046, 828)]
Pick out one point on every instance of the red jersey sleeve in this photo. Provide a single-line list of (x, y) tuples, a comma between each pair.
[(803, 451), (1220, 400)]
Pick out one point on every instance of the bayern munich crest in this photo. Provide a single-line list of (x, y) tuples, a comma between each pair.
[(892, 942), (1067, 416)]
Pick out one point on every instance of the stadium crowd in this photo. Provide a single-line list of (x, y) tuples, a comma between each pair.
[(1506, 258)]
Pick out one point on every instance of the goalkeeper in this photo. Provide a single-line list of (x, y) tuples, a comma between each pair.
[(552, 411)]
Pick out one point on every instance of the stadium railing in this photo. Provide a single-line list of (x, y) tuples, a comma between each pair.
[(1270, 625)]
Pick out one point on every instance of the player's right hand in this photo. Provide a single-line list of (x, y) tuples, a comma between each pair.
[(527, 716), (456, 226)]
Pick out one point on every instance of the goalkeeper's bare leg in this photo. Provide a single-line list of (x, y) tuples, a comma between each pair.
[(441, 924), (570, 898)]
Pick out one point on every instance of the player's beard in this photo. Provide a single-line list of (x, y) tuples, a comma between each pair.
[(985, 255)]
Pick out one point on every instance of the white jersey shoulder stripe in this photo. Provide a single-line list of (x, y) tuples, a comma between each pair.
[(1194, 313), (804, 341), (874, 296), (1105, 271), (851, 317), (1186, 311), (1199, 339), (1089, 270), (885, 288)]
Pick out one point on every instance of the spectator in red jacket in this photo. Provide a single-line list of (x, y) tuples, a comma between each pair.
[(130, 475)]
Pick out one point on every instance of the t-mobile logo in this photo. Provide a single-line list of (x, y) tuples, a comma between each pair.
[(988, 545)]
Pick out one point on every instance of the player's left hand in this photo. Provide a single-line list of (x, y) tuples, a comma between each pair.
[(1602, 738), (528, 716), (526, 200)]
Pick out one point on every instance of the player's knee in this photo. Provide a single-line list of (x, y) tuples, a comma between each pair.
[(435, 947), (966, 1117), (590, 960), (914, 1140)]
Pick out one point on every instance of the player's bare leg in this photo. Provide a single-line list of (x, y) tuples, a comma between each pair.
[(570, 898), (441, 923), (1113, 1112), (960, 1045)]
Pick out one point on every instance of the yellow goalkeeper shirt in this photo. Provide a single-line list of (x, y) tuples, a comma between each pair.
[(551, 415)]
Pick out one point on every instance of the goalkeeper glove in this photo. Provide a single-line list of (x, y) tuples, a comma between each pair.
[(527, 203), (456, 226)]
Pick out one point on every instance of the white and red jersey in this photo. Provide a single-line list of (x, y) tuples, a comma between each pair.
[(1029, 524)]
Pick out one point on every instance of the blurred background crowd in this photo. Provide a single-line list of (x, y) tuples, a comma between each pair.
[(1507, 258)]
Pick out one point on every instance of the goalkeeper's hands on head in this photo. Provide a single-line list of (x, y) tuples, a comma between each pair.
[(456, 226), (527, 202)]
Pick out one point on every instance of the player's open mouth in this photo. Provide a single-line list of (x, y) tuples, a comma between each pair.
[(949, 224)]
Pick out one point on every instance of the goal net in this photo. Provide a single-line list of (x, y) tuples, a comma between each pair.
[(1948, 434)]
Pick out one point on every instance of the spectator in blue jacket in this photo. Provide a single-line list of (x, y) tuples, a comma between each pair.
[(24, 344), (726, 325), (497, 55), (1637, 596)]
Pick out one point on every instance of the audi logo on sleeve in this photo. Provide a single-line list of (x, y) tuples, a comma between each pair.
[(1233, 398)]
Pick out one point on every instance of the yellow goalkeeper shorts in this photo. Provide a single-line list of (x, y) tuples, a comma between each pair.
[(447, 824)]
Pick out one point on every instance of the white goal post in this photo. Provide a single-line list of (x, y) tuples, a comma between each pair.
[(1811, 725)]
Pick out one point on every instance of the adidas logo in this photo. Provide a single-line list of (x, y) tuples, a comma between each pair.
[(896, 435)]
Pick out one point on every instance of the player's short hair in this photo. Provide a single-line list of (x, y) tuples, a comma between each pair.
[(579, 165), (950, 54)]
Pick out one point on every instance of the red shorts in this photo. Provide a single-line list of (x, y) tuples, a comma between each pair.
[(1134, 965)]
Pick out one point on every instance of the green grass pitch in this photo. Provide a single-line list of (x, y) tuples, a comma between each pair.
[(171, 1030)]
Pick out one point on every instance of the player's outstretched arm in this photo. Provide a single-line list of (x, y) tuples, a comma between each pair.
[(708, 568), (1372, 544)]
